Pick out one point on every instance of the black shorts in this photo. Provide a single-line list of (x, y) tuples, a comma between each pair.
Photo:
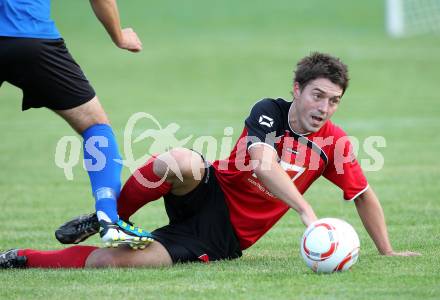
[(200, 228), (45, 71)]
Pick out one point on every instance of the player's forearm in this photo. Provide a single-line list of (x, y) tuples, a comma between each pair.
[(281, 186), (107, 13), (372, 216)]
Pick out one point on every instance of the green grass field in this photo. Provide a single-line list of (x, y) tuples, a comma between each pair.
[(203, 66)]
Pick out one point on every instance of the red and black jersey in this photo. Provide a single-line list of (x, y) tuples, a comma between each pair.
[(328, 152)]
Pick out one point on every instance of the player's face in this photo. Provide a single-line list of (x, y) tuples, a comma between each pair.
[(314, 105)]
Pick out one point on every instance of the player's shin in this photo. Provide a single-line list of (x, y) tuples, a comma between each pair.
[(142, 187), (102, 161)]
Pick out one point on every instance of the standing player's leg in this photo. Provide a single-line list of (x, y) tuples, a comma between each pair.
[(91, 122), (102, 161)]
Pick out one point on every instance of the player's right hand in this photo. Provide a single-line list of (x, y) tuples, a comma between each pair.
[(129, 41), (308, 217)]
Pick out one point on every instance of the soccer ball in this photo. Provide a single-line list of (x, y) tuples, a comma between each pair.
[(329, 245)]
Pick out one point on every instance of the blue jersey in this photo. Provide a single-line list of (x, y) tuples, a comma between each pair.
[(27, 18)]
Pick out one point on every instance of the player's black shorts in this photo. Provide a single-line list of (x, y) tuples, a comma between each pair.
[(45, 71), (200, 228)]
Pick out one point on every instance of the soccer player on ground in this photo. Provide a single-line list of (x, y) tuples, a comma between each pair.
[(34, 58), (217, 210)]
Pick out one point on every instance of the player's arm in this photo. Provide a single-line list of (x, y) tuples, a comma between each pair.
[(270, 173), (372, 216), (107, 13)]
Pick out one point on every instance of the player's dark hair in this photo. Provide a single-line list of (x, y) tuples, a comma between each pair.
[(321, 65)]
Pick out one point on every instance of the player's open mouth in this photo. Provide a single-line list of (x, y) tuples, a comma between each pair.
[(317, 119)]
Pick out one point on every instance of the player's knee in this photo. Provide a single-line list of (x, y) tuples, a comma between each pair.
[(178, 162), (85, 115), (93, 113)]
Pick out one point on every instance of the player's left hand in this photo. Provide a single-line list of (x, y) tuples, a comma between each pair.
[(129, 41), (403, 253)]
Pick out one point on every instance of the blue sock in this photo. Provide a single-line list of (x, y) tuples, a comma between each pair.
[(100, 151)]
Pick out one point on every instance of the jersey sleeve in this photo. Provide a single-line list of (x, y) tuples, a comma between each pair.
[(263, 123), (343, 168)]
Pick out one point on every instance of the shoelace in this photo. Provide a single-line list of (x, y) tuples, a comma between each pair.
[(85, 225)]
